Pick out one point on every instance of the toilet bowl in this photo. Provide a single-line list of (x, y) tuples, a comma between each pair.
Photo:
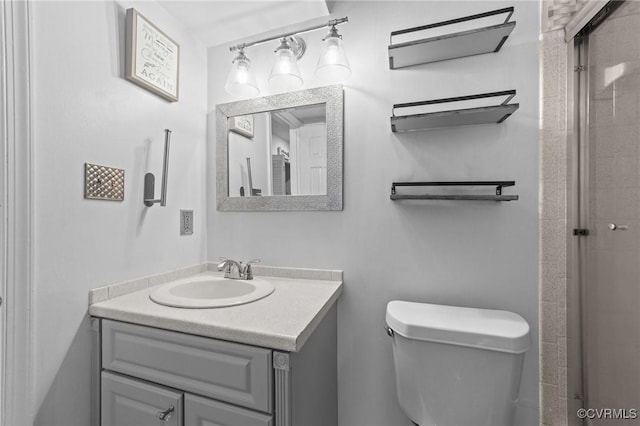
[(457, 366)]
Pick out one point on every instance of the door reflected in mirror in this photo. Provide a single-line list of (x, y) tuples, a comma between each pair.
[(279, 152)]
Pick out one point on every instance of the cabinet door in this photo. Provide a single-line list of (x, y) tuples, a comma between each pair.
[(130, 402), (207, 412)]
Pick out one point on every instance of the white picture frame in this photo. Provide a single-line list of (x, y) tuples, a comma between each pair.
[(242, 125), (152, 59)]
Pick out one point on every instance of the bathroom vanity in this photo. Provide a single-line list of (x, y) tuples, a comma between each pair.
[(272, 362)]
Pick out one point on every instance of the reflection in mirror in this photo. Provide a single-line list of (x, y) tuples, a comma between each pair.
[(280, 152)]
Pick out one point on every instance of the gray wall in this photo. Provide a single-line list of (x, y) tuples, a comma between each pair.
[(84, 111), (480, 254)]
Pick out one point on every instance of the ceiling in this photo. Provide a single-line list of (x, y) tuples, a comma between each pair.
[(217, 22)]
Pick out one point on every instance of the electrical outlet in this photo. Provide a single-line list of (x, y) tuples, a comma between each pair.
[(186, 222)]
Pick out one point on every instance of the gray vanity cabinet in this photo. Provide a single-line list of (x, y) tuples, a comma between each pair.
[(150, 376)]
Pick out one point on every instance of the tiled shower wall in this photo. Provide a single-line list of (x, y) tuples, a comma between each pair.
[(557, 13), (556, 284), (553, 226)]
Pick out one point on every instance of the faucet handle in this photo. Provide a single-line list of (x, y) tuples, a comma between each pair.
[(248, 272)]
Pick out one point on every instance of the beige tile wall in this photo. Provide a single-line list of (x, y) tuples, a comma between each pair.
[(557, 13), (553, 227)]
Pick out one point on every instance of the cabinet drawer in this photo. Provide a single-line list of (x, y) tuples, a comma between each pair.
[(226, 371), (130, 402), (205, 412)]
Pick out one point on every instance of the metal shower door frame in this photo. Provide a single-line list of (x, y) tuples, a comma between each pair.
[(579, 179)]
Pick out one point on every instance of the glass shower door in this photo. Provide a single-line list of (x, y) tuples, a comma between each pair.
[(611, 198)]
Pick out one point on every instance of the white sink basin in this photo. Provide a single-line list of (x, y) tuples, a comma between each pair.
[(210, 291)]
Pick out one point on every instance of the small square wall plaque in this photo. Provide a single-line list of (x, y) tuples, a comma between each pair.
[(103, 183)]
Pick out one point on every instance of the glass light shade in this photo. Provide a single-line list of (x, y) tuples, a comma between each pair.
[(285, 74), (333, 65), (241, 81)]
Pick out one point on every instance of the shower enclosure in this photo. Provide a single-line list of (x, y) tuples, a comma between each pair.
[(607, 206)]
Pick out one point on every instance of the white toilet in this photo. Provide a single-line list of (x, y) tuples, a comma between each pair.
[(457, 366)]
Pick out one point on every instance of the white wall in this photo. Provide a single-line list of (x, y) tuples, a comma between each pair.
[(256, 148), (462, 253), (85, 111), (278, 142)]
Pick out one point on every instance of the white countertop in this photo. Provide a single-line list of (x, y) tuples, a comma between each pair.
[(284, 320)]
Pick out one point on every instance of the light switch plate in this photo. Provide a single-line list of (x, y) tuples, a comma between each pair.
[(186, 222), (103, 183)]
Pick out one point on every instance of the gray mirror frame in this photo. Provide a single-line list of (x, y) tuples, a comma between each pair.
[(333, 97)]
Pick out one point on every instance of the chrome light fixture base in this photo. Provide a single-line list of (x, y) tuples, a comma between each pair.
[(298, 45)]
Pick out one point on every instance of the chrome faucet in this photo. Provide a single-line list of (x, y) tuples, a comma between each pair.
[(237, 270)]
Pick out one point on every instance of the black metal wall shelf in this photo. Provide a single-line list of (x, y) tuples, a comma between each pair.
[(453, 45), (497, 197), (454, 117)]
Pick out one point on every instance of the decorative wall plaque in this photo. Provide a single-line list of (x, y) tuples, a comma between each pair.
[(151, 57)]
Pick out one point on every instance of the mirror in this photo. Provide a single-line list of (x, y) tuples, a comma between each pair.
[(281, 152)]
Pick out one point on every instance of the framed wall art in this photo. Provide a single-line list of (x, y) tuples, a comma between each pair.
[(242, 125), (151, 57)]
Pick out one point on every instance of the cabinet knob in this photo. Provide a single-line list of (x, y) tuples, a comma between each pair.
[(166, 414)]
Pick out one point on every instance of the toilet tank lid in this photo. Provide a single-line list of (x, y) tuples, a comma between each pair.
[(481, 328)]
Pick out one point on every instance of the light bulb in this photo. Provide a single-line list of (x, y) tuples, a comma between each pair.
[(242, 74), (332, 54)]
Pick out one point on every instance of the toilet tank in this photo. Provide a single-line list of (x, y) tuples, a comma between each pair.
[(457, 366)]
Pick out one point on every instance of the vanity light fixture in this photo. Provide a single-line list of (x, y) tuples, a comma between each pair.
[(333, 65)]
